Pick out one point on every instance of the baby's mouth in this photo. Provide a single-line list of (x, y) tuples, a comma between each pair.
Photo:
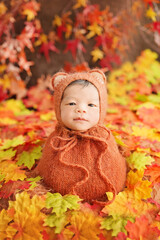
[(80, 119)]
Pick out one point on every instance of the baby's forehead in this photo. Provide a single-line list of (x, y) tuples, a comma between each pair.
[(79, 88)]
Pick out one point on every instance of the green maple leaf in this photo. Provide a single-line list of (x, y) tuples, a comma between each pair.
[(8, 143), (154, 98), (28, 158), (116, 224), (56, 221), (7, 155), (139, 160), (33, 181), (60, 204)]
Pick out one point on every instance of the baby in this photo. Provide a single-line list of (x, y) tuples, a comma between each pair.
[(81, 156)]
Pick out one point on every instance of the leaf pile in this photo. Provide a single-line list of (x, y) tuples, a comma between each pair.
[(29, 211)]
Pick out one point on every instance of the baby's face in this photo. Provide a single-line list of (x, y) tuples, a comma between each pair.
[(80, 107)]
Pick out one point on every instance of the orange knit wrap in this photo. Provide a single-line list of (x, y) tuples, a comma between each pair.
[(85, 163)]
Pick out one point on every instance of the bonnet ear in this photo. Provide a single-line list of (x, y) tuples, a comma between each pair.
[(99, 75), (57, 78)]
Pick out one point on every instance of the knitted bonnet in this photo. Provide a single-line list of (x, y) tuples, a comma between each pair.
[(61, 80)]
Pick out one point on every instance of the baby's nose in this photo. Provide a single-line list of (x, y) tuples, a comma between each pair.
[(80, 110)]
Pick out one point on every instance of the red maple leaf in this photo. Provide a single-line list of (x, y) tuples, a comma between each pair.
[(73, 46), (104, 40), (108, 60), (121, 236), (11, 187), (3, 94), (46, 47), (60, 30), (156, 26)]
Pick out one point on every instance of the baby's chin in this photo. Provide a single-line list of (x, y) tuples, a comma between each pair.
[(79, 127)]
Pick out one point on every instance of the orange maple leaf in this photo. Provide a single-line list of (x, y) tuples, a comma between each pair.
[(154, 173), (142, 229)]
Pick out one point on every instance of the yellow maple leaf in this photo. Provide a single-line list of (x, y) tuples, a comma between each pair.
[(57, 21), (145, 132), (8, 121), (3, 8), (5, 229), (30, 14), (127, 205), (84, 225), (3, 66), (16, 106), (97, 54), (68, 30), (11, 172), (141, 188), (46, 116), (5, 81), (151, 13), (80, 3), (27, 216), (42, 39), (94, 29)]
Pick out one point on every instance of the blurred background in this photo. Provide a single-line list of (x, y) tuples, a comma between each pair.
[(42, 37)]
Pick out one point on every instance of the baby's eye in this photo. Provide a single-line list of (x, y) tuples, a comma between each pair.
[(91, 105), (71, 103)]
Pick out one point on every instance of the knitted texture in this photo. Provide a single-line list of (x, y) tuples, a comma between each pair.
[(86, 163)]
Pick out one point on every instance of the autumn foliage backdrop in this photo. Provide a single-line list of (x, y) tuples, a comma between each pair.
[(27, 210)]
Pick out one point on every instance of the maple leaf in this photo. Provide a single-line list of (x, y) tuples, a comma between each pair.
[(7, 155), (33, 182), (5, 230), (108, 60), (27, 216), (149, 116), (60, 204), (121, 236), (11, 172), (30, 10), (28, 158), (12, 187), (145, 132), (139, 160), (80, 3), (68, 31), (156, 26), (104, 40), (84, 225), (3, 8), (74, 46), (126, 205), (142, 229), (3, 94), (26, 36), (56, 221), (24, 64), (45, 47), (154, 173), (57, 21), (97, 54), (94, 29), (10, 143), (116, 224), (142, 188), (151, 13)]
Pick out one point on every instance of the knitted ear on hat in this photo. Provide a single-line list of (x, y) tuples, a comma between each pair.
[(57, 78), (99, 75)]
